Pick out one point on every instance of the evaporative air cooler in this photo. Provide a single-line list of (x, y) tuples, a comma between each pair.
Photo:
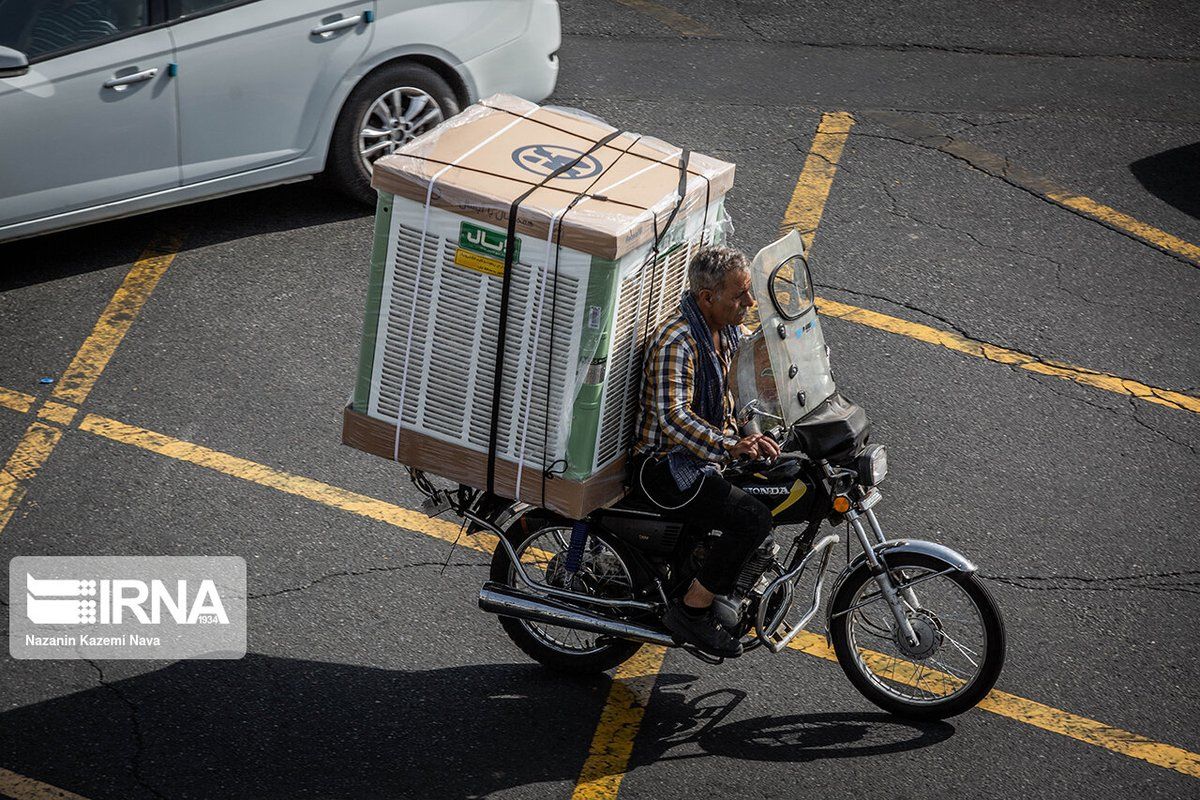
[(603, 236)]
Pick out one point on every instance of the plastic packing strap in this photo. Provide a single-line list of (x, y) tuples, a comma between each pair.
[(533, 350), (555, 220), (505, 294), (412, 311)]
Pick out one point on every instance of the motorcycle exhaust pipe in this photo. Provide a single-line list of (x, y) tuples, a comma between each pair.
[(497, 598)]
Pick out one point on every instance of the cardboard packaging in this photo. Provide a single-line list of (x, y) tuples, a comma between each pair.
[(599, 261)]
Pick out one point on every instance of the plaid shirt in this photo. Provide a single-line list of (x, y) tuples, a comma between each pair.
[(668, 417)]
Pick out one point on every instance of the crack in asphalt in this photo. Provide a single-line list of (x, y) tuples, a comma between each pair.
[(758, 37), (895, 210), (1186, 581), (139, 740), (355, 573), (1016, 359), (1133, 407), (1003, 174)]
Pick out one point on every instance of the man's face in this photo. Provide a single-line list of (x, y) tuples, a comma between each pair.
[(728, 305)]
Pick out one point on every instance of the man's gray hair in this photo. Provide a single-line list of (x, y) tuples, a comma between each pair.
[(710, 266)]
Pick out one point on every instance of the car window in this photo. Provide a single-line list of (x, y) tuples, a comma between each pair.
[(43, 28), (192, 8)]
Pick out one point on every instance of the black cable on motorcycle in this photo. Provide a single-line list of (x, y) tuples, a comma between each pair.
[(505, 293)]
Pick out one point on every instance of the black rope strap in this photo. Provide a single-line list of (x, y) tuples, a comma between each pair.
[(506, 291)]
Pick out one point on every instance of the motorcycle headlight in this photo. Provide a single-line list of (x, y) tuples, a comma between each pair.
[(872, 465)]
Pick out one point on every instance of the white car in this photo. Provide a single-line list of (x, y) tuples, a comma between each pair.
[(114, 107)]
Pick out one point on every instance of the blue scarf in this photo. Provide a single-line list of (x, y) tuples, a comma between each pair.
[(709, 390)]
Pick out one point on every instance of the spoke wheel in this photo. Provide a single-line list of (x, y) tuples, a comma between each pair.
[(394, 119), (604, 572), (959, 647)]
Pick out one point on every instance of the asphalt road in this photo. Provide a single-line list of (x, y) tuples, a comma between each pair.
[(371, 673)]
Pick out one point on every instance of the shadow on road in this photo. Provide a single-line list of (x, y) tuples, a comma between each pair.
[(1173, 176), (268, 727), (120, 242)]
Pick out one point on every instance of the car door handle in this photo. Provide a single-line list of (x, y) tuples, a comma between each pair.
[(336, 25), (121, 82)]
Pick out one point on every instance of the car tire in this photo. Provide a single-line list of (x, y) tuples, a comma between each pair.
[(345, 168)]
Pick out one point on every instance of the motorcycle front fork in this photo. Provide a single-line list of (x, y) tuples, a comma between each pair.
[(898, 601)]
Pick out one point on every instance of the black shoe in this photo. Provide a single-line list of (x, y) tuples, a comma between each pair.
[(702, 630)]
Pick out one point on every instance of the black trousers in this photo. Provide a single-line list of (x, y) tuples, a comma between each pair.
[(744, 521)]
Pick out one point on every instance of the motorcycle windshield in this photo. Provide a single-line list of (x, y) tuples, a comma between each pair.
[(790, 329)]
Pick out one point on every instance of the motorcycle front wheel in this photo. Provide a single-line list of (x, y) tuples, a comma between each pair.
[(605, 571), (960, 638)]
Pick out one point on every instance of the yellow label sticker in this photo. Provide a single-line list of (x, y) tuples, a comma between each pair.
[(488, 266)]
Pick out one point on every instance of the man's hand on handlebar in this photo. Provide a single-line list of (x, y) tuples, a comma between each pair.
[(755, 446)]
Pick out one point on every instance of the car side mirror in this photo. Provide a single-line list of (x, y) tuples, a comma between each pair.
[(12, 63)]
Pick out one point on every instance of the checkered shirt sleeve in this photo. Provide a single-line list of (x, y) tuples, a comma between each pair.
[(670, 385)]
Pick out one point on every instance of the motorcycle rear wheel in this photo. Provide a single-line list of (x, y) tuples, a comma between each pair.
[(541, 545), (961, 648)]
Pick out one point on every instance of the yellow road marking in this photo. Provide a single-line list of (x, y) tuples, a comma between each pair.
[(612, 744), (21, 788), (16, 401), (677, 22), (804, 214), (29, 456), (1000, 167), (625, 707), (1014, 358), (81, 375), (1110, 216), (1033, 713), (816, 178), (57, 412), (297, 485)]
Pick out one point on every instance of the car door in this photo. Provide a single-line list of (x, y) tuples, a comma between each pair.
[(94, 119), (255, 77)]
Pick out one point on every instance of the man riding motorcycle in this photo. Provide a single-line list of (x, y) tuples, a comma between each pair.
[(687, 432)]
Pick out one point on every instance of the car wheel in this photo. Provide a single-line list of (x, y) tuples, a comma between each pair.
[(388, 109)]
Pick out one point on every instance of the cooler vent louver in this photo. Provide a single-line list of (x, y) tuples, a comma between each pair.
[(448, 391), (641, 298)]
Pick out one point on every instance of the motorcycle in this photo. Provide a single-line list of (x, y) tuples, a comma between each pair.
[(912, 625)]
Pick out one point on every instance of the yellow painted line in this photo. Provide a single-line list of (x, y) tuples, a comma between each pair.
[(297, 485), (81, 375), (19, 787), (1110, 216), (612, 744), (28, 457), (1001, 167), (816, 178), (680, 23), (57, 412), (16, 401), (1014, 358), (1032, 713)]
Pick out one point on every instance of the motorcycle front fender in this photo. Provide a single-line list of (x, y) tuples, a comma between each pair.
[(952, 558)]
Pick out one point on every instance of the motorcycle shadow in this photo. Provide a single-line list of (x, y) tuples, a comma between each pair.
[(268, 727), (682, 723)]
